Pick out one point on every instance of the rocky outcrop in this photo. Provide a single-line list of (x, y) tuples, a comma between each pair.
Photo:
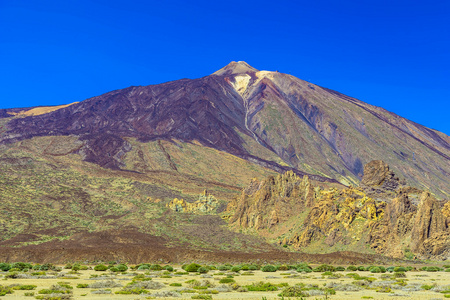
[(429, 224), (264, 204), (391, 224), (379, 180), (205, 204)]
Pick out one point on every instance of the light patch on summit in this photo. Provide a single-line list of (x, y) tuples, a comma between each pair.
[(240, 83)]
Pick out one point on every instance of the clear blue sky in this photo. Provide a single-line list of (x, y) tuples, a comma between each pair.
[(393, 54)]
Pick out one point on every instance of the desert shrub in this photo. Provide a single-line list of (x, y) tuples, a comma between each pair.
[(82, 285), (340, 269), (361, 268), (24, 287), (121, 268), (390, 269), (235, 269), (28, 294), (400, 269), (175, 284), (324, 268), (427, 287), (204, 297), (307, 270), (21, 266), (168, 268), (293, 291), (192, 267), (227, 280), (432, 269), (5, 290), (399, 275), (148, 284), (132, 291), (352, 268), (202, 270), (156, 267), (261, 287), (225, 267), (283, 268), (269, 268), (104, 284), (244, 267), (5, 267), (100, 268), (375, 270), (12, 275), (165, 294), (253, 267), (142, 267)]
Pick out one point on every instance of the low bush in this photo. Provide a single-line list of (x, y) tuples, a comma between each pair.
[(293, 291), (227, 280), (5, 267), (192, 267), (100, 268), (24, 287), (261, 287), (202, 270), (269, 268)]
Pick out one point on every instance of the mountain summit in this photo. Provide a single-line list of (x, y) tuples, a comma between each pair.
[(233, 68)]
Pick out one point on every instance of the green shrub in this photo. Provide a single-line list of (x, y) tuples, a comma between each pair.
[(283, 268), (427, 287), (293, 291), (390, 269), (235, 269), (156, 267), (227, 280), (82, 285), (400, 269), (100, 268), (447, 270), (204, 297), (399, 275), (261, 287), (375, 270), (192, 267), (5, 267), (269, 268), (175, 284), (324, 268), (122, 268), (132, 291), (5, 290), (203, 270), (168, 268), (225, 267), (21, 266), (25, 287), (352, 268), (340, 269), (361, 268)]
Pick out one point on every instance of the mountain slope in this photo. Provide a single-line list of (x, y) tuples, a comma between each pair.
[(269, 118)]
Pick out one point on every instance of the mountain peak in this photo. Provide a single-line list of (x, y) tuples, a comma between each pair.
[(233, 67)]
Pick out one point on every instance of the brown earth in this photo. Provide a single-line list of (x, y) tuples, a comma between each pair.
[(134, 247)]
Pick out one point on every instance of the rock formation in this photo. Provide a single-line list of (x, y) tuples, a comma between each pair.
[(389, 223)]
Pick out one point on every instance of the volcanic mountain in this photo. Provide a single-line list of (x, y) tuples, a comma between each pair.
[(267, 118), (117, 168)]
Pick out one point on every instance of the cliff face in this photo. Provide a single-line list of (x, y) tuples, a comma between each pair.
[(392, 224)]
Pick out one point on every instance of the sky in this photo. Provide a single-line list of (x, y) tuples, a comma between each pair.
[(393, 54)]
